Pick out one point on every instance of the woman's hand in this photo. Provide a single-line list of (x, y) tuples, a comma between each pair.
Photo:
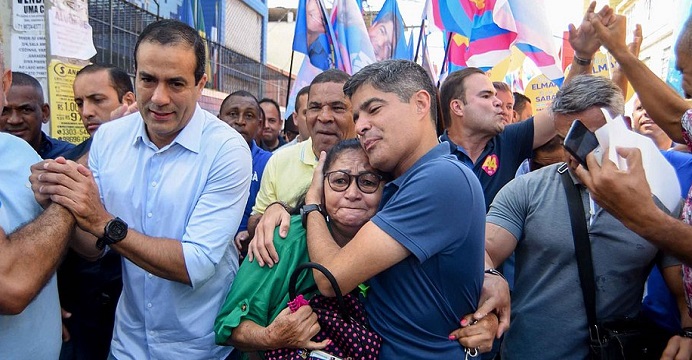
[(480, 335), (296, 330)]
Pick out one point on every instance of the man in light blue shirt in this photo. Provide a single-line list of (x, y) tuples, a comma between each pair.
[(179, 178), (29, 255)]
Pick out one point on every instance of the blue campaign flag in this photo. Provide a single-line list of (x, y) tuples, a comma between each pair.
[(352, 42), (387, 33), (312, 35)]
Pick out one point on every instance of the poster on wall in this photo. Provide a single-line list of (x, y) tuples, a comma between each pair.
[(28, 15), (65, 122)]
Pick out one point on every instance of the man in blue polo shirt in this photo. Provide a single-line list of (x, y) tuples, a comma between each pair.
[(424, 262), (473, 116), (242, 111)]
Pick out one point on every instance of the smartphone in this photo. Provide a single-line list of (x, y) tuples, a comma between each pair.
[(580, 142)]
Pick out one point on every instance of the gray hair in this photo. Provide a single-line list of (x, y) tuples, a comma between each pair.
[(401, 77), (585, 91)]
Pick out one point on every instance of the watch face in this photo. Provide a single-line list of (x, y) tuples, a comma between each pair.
[(117, 229)]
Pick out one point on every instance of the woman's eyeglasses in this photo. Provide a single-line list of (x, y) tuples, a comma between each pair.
[(367, 182)]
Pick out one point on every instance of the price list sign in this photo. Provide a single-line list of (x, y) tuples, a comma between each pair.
[(65, 121)]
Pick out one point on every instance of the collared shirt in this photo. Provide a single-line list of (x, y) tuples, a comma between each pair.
[(35, 332), (260, 158), (533, 208), (415, 303), (287, 176), (193, 191), (500, 158), (51, 148)]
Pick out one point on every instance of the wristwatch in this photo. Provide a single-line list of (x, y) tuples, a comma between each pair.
[(495, 272), (114, 231), (308, 208), (686, 332)]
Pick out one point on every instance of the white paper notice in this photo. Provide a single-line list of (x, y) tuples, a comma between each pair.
[(659, 173), (70, 35), (28, 15), (29, 54)]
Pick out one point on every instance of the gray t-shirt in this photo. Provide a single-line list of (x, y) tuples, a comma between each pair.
[(548, 313)]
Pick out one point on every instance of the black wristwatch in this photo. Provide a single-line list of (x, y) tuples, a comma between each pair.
[(308, 208), (495, 272), (114, 231), (686, 332)]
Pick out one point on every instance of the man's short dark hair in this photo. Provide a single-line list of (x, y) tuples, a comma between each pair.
[(22, 79), (240, 93), (330, 76), (273, 102), (401, 77), (304, 91), (520, 101), (453, 88), (120, 80), (585, 91), (173, 32)]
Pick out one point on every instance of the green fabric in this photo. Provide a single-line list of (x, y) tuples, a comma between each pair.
[(259, 293)]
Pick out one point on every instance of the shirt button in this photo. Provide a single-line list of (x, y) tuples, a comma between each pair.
[(150, 275), (153, 184), (152, 332), (149, 305), (243, 307), (150, 215)]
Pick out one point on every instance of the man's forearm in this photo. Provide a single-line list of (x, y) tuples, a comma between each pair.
[(159, 256), (30, 255), (661, 102), (664, 231)]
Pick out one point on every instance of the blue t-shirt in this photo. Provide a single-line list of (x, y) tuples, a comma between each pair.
[(51, 148), (415, 304), (659, 305), (501, 157), (259, 161)]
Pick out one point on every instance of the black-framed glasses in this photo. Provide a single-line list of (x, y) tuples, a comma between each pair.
[(367, 182)]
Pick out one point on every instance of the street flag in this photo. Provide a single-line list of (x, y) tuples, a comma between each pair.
[(387, 33), (352, 41)]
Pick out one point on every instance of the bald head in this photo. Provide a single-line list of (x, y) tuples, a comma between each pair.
[(5, 78)]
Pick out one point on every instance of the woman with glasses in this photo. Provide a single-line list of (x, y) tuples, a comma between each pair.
[(254, 317)]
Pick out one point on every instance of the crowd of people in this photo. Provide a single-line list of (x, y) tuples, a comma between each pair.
[(446, 214)]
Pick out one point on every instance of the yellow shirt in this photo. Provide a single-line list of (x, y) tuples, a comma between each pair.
[(287, 175)]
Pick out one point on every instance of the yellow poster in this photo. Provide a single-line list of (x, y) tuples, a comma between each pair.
[(65, 123), (541, 91)]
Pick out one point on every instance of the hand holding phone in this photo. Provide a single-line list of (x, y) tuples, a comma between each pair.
[(580, 141)]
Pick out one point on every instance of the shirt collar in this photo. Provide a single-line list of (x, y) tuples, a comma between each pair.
[(190, 137), (307, 156)]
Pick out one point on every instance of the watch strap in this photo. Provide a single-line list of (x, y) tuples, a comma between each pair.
[(307, 209)]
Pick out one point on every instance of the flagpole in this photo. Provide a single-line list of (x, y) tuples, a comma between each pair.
[(444, 61), (288, 88), (420, 40)]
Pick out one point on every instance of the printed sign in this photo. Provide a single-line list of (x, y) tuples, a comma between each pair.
[(28, 15), (65, 123), (29, 54), (541, 91)]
